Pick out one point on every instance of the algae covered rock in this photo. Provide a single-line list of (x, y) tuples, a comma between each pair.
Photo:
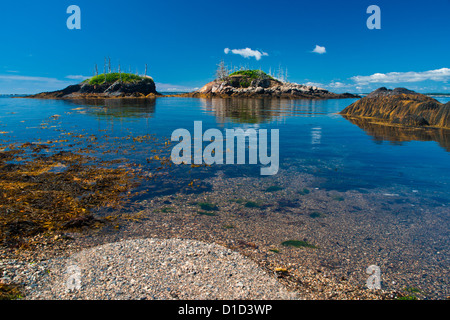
[(401, 106)]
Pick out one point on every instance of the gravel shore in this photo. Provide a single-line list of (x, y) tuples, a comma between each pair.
[(150, 269), (238, 227)]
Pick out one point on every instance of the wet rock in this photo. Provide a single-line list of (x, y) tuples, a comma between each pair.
[(384, 92), (141, 88), (401, 106), (411, 120)]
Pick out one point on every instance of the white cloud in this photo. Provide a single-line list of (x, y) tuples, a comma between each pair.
[(28, 78), (320, 50), (442, 74), (77, 77), (314, 84), (338, 84), (413, 80), (247, 53), (21, 84), (332, 85), (167, 87)]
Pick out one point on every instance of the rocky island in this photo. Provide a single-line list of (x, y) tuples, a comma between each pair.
[(110, 85), (401, 107), (243, 83), (256, 83)]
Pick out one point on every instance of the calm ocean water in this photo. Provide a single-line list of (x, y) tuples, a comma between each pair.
[(313, 137), (384, 190)]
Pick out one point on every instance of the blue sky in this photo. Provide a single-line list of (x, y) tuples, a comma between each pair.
[(183, 41)]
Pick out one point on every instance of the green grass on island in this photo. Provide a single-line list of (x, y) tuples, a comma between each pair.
[(252, 74), (115, 76)]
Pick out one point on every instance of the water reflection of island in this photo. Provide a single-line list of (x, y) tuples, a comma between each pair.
[(395, 134), (253, 111), (118, 108)]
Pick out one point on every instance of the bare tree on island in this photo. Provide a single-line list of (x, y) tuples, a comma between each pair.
[(222, 71), (120, 73), (282, 75), (109, 69), (104, 69)]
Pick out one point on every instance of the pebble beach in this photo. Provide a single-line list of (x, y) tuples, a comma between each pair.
[(171, 248)]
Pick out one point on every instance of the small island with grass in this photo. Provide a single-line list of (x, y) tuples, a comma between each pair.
[(245, 83), (106, 85), (257, 83)]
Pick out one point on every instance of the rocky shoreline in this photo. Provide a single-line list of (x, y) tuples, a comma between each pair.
[(231, 86), (151, 269), (263, 88), (401, 107), (195, 253), (144, 88)]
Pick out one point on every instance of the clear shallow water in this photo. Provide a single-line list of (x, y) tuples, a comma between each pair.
[(313, 137), (395, 182)]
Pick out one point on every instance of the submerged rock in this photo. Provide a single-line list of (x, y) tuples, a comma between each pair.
[(22, 228), (402, 107)]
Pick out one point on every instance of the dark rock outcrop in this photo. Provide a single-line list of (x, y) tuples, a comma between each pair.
[(384, 92), (401, 107), (142, 88)]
